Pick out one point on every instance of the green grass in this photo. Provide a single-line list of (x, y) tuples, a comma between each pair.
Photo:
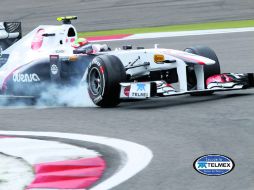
[(173, 28)]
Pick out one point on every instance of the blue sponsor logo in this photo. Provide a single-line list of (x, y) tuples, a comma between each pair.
[(214, 165), (141, 87)]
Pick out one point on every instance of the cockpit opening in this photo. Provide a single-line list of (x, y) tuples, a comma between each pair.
[(71, 32)]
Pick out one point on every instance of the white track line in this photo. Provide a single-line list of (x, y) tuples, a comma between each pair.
[(135, 157), (181, 34)]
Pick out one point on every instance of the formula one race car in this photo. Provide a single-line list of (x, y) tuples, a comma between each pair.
[(54, 55)]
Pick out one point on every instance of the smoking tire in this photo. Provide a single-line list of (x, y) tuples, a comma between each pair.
[(209, 70), (104, 76)]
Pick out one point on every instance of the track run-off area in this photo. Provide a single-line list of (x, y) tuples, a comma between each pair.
[(175, 131)]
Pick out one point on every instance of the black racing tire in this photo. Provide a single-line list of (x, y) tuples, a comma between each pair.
[(105, 73), (209, 70)]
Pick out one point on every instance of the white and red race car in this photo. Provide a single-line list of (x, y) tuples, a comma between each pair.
[(55, 55)]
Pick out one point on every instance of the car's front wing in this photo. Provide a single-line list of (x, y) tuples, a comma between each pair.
[(144, 90)]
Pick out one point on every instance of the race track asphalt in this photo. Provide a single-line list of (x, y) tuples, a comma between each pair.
[(112, 14), (177, 129)]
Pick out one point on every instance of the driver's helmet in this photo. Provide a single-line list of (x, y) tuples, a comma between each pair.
[(79, 42)]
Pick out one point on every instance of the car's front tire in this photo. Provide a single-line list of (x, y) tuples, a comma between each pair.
[(209, 70), (105, 73)]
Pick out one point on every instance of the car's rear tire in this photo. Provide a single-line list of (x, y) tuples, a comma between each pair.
[(209, 70), (105, 73)]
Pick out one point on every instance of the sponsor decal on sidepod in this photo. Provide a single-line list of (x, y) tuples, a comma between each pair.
[(214, 165), (54, 69), (26, 78)]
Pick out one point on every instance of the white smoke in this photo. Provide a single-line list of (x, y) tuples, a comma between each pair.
[(69, 96), (53, 96), (74, 96)]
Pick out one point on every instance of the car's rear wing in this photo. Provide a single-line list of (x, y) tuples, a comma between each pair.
[(10, 32)]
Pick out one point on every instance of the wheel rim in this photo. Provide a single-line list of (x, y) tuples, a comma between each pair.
[(95, 81)]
